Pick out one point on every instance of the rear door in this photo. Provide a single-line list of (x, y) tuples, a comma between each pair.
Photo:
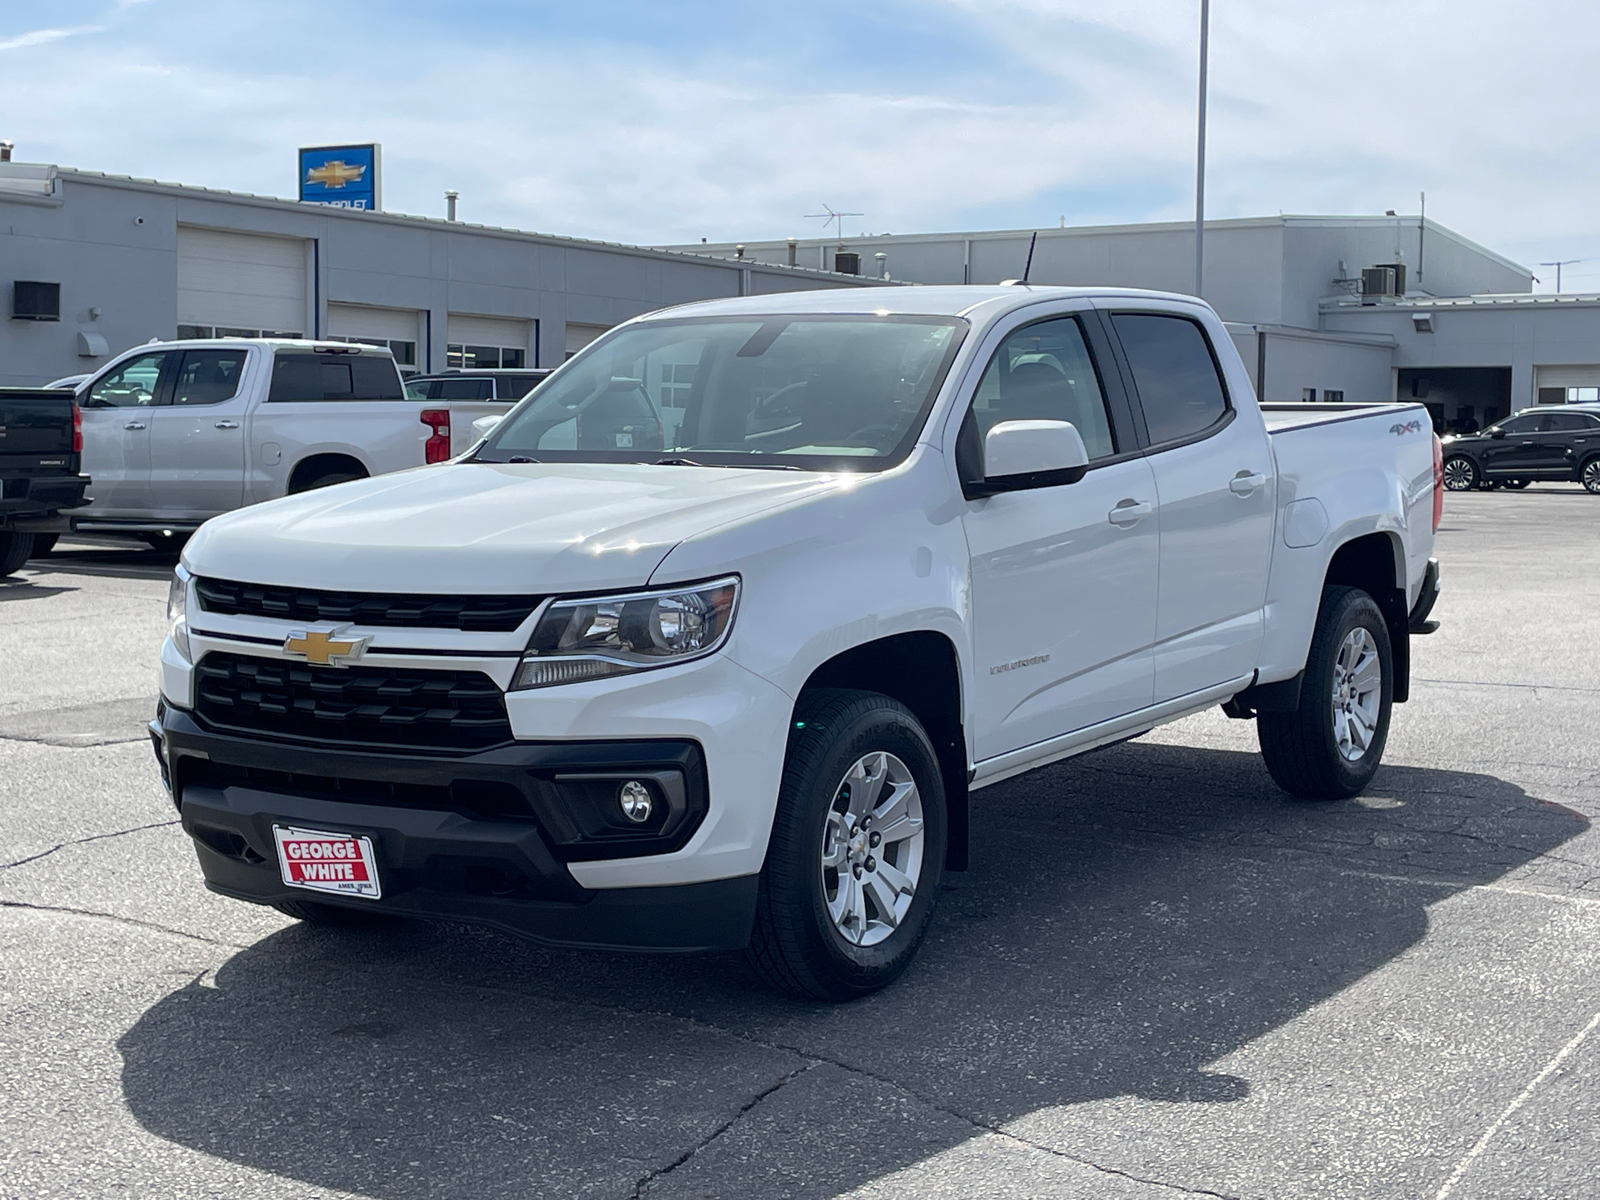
[(197, 439), (1216, 486), (1564, 442), (118, 410)]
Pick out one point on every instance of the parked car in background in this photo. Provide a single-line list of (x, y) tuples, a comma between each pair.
[(176, 432), (1552, 443), (718, 665), (40, 439), (67, 381)]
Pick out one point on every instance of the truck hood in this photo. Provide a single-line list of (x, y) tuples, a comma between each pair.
[(534, 528)]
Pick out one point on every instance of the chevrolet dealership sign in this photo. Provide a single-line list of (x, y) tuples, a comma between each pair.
[(342, 176)]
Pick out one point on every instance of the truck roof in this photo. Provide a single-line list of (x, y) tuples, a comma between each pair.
[(324, 344), (909, 301)]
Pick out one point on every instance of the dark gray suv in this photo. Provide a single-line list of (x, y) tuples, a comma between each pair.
[(1557, 442)]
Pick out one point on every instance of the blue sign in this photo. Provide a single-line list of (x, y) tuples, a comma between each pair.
[(342, 176)]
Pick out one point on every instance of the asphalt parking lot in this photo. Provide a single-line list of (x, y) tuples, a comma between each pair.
[(1161, 976)]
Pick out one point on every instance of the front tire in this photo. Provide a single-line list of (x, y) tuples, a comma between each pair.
[(857, 850), (1330, 747), (1460, 474)]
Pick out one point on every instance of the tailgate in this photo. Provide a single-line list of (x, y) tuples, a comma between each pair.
[(463, 413), (36, 431)]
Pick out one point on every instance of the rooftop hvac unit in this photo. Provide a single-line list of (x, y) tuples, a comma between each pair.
[(847, 262)]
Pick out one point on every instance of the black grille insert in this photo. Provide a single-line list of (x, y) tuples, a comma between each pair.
[(372, 706), (484, 614), (488, 799)]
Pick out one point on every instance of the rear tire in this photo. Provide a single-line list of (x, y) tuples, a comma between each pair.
[(15, 549), (1460, 474), (857, 850), (1330, 747), (1515, 485), (1589, 476), (335, 916), (167, 543)]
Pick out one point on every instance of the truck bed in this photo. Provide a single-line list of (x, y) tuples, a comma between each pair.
[(1283, 417)]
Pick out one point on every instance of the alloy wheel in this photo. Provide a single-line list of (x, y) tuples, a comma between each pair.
[(872, 849), (1459, 474), (1357, 694)]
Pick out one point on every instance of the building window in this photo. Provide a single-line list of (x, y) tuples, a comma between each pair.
[(676, 380), (405, 352), (1332, 395), (468, 357), (1308, 395), (230, 331)]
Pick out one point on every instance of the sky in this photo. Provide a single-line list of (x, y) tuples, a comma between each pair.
[(662, 122)]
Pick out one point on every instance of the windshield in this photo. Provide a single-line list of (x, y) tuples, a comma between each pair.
[(821, 392)]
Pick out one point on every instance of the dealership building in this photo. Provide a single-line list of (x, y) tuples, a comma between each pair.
[(1321, 308), (93, 264)]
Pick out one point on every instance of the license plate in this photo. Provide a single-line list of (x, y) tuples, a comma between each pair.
[(318, 861)]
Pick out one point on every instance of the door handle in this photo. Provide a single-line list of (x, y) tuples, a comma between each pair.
[(1245, 483), (227, 424), (133, 424), (1130, 512)]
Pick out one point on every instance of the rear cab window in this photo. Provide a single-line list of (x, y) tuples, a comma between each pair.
[(1176, 374), (302, 376)]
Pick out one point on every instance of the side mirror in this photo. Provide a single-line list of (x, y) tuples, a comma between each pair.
[(1497, 433), (484, 426), (1018, 455)]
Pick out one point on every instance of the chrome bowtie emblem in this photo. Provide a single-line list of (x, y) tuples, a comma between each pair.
[(321, 647)]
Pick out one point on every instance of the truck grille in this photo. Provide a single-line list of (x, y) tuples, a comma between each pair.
[(485, 614), (355, 706)]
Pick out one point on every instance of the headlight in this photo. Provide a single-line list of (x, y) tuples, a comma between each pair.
[(177, 612), (597, 636)]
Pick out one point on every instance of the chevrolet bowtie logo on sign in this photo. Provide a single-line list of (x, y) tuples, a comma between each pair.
[(336, 174), (342, 176), (324, 649)]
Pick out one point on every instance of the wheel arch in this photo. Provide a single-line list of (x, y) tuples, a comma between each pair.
[(922, 670), (314, 466), (1376, 563)]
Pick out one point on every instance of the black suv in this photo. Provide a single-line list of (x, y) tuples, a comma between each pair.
[(1535, 444)]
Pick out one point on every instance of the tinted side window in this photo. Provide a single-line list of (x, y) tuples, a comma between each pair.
[(466, 388), (132, 385), (1568, 422), (301, 376), (1179, 386), (208, 376), (1044, 372), (1527, 424)]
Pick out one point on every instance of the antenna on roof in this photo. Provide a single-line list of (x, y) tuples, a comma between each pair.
[(829, 217), (1032, 242)]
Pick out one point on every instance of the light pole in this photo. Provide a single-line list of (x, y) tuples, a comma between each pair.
[(1200, 156)]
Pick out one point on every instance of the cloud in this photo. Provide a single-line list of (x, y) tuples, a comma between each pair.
[(40, 37), (722, 121)]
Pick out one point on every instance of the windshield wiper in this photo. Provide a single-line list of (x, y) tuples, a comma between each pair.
[(694, 462)]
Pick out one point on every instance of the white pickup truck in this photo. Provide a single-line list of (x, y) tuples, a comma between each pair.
[(177, 432), (717, 656)]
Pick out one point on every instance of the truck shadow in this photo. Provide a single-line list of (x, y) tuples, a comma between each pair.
[(1130, 918)]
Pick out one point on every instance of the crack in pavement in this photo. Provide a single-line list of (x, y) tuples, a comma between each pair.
[(98, 837), (645, 1181), (121, 920)]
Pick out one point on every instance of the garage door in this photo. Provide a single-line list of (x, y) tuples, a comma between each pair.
[(489, 342), (396, 328), (241, 281), (579, 336)]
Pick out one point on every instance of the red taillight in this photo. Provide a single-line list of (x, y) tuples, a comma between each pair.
[(77, 430), (437, 448), (1438, 482)]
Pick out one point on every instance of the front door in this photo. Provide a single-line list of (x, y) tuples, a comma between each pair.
[(1216, 484), (1517, 450), (1063, 578), (197, 443), (118, 410)]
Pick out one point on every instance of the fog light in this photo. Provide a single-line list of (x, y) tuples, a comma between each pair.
[(634, 797)]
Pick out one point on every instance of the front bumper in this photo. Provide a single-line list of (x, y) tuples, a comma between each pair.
[(483, 837)]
